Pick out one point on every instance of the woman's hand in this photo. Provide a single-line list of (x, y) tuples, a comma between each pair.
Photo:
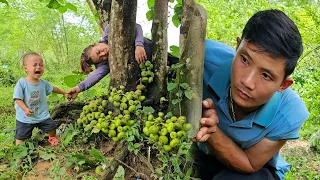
[(140, 54), (73, 92), (208, 121)]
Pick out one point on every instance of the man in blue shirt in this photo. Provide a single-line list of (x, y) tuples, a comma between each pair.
[(250, 110)]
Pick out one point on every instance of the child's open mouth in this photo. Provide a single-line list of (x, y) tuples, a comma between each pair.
[(37, 72)]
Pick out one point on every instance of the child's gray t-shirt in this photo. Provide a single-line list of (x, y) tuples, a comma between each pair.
[(34, 97)]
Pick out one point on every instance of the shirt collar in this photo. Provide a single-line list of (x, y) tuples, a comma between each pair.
[(220, 81)]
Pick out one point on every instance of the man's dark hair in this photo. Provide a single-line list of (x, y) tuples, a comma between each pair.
[(276, 34)]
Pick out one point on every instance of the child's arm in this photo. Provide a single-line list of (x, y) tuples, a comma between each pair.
[(60, 91), (23, 106)]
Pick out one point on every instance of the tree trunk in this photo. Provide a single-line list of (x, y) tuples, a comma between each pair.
[(104, 10), (159, 49), (123, 66), (192, 45), (99, 22)]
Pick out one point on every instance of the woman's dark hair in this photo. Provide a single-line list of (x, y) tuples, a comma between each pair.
[(276, 34), (85, 61)]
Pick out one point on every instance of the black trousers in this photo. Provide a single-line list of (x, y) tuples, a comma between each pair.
[(208, 167)]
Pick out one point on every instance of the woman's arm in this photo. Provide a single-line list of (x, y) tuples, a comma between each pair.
[(139, 41), (102, 69), (139, 36)]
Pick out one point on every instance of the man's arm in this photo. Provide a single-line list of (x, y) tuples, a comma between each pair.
[(245, 161)]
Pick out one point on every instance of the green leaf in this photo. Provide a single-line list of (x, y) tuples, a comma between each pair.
[(184, 85), (169, 114), (62, 171), (158, 171), (175, 50), (149, 14), (136, 145), (61, 1), (5, 2), (71, 80), (178, 9), (69, 164), (54, 4), (81, 162), (150, 4), (176, 20), (171, 86), (69, 138), (176, 164), (188, 174), (71, 7), (176, 66), (20, 151), (46, 156), (96, 15), (179, 2), (175, 101), (179, 93), (30, 145), (130, 138), (99, 156), (148, 109), (119, 174), (62, 9), (95, 130), (188, 94)]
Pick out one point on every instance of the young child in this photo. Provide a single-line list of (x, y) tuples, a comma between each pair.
[(31, 103)]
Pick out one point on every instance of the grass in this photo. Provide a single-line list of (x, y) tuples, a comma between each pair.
[(305, 164)]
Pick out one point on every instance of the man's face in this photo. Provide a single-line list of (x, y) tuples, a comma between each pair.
[(256, 76), (99, 52)]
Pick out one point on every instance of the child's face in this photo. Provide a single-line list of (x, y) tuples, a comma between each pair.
[(33, 66)]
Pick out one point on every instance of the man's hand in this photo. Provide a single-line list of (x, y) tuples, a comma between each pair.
[(208, 121), (28, 112), (140, 54), (73, 92)]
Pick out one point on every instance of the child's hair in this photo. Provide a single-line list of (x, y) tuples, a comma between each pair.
[(85, 61), (25, 57), (276, 34)]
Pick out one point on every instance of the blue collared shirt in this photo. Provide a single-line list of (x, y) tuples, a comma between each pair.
[(279, 119)]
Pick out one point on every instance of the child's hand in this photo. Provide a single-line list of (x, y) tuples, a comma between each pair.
[(28, 112), (73, 92), (140, 54), (68, 96)]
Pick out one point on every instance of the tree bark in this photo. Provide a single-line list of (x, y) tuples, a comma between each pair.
[(104, 10), (99, 22), (123, 66), (160, 49), (192, 45)]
